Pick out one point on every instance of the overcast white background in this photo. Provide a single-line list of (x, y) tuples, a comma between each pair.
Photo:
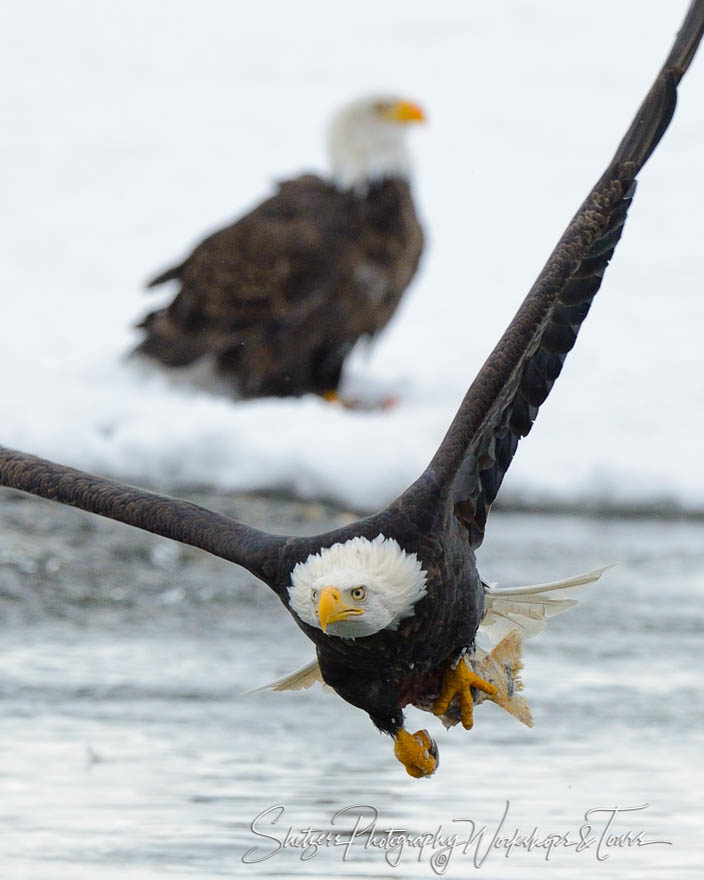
[(130, 130)]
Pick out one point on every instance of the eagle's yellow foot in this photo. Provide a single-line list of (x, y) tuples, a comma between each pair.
[(417, 752), (346, 402), (460, 680), (357, 403)]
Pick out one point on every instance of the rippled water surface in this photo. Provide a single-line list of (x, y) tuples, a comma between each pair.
[(128, 750)]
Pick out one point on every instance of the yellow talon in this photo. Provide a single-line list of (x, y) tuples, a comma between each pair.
[(417, 752), (389, 401), (460, 680)]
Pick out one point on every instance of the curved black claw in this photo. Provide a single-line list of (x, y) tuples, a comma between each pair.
[(433, 750)]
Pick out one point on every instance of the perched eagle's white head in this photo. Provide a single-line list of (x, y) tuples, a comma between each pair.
[(367, 140), (357, 588)]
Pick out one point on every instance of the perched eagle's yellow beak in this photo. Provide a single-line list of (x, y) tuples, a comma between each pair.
[(406, 111), (331, 608)]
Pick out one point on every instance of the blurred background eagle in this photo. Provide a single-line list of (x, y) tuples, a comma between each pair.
[(275, 302)]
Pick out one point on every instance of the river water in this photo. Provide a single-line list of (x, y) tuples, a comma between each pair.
[(129, 751)]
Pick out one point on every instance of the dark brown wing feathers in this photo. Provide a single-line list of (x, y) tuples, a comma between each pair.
[(280, 297), (172, 274), (179, 520), (503, 401)]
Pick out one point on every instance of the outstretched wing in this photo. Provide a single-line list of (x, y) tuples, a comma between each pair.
[(257, 551), (503, 400)]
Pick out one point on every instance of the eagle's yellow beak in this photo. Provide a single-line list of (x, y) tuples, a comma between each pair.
[(331, 608), (406, 111)]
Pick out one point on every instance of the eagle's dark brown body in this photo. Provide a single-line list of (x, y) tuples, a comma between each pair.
[(279, 298), (445, 622), (441, 518)]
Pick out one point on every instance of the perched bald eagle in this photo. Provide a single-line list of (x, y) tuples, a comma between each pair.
[(393, 602), (278, 300)]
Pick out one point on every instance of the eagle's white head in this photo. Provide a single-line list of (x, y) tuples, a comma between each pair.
[(357, 588), (367, 140)]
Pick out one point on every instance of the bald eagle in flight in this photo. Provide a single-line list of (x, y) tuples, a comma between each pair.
[(275, 302), (393, 602)]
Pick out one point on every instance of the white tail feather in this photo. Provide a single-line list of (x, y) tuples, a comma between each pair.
[(299, 680), (527, 609)]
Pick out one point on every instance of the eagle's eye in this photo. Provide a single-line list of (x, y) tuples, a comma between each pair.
[(382, 107), (359, 593), (314, 595)]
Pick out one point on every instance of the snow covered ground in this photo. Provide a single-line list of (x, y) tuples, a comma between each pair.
[(131, 129)]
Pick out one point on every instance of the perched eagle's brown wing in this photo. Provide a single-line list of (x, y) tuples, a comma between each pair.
[(280, 297), (245, 278), (227, 538), (503, 400)]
